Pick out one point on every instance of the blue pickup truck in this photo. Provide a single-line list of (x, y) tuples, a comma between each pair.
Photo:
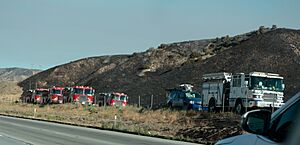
[(184, 99)]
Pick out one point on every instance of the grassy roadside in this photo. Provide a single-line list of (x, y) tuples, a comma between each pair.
[(201, 127)]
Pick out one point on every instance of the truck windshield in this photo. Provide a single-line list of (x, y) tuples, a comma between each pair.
[(39, 92), (192, 95), (54, 91), (88, 91), (272, 84), (78, 91), (123, 98), (116, 97)]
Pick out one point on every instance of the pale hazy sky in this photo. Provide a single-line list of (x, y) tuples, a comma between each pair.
[(45, 33)]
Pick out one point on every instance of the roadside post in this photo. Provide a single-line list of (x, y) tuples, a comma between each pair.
[(34, 112), (115, 121), (139, 101), (151, 102)]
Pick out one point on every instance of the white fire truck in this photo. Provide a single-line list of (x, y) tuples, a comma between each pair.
[(242, 92)]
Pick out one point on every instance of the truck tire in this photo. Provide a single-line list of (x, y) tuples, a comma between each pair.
[(70, 100), (190, 107), (239, 108), (101, 103), (170, 105), (211, 105), (49, 101)]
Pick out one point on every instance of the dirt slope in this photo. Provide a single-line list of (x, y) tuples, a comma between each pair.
[(9, 91)]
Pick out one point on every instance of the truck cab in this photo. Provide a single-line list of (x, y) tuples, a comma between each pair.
[(41, 96), (256, 90), (56, 95), (117, 99), (83, 94)]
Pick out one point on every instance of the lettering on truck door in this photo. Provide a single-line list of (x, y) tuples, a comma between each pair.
[(219, 93), (205, 90), (235, 89)]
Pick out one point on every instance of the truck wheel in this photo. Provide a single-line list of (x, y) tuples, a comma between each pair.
[(239, 109), (189, 107), (100, 104), (26, 100), (212, 106), (170, 106), (70, 100)]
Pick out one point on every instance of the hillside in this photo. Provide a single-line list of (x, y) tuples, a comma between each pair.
[(16, 74), (151, 72)]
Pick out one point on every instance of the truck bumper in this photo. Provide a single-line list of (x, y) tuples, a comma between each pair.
[(262, 104), (197, 107)]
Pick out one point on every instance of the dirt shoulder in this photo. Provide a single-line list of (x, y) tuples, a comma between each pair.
[(201, 127)]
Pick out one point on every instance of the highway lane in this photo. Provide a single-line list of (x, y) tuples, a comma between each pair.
[(6, 140), (46, 133)]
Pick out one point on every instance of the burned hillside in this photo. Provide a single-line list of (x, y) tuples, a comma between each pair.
[(151, 72)]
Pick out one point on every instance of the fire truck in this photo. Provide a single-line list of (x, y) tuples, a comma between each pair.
[(27, 96), (56, 95), (116, 99), (40, 96), (83, 94), (241, 92)]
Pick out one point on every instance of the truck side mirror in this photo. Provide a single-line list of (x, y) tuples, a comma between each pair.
[(283, 86), (246, 83), (260, 84), (256, 121)]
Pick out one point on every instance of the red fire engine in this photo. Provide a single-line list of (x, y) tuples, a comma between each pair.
[(117, 99), (83, 94), (41, 95), (56, 95)]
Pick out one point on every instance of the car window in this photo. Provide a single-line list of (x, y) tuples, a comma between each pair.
[(284, 123), (196, 95), (173, 94), (181, 95), (189, 95)]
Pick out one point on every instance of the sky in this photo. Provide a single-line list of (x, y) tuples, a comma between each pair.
[(41, 34)]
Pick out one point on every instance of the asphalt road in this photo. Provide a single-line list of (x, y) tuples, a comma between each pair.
[(6, 140), (23, 131)]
